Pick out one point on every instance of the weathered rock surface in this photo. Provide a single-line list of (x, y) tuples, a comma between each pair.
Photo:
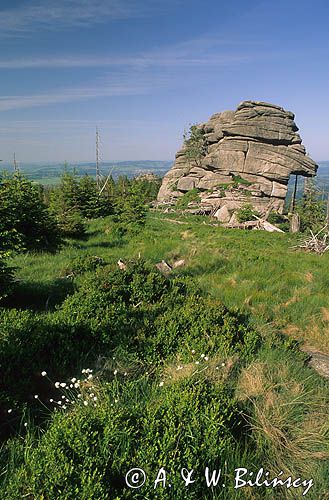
[(251, 153)]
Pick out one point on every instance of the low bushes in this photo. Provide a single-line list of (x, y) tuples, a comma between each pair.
[(137, 312), (179, 381), (88, 450)]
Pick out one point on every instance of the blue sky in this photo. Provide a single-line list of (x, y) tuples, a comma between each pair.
[(143, 70)]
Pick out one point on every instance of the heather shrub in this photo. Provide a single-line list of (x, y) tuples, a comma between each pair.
[(204, 325), (83, 264), (88, 449)]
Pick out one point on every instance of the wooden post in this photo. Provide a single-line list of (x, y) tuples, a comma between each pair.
[(295, 223), (293, 198)]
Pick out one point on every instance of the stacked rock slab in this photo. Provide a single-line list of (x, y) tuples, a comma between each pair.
[(257, 144)]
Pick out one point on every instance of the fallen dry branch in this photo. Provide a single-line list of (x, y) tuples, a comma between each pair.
[(316, 243), (259, 224)]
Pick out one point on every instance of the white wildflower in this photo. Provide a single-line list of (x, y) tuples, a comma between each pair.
[(76, 385), (36, 396), (206, 358), (115, 372), (161, 383), (51, 400), (10, 410), (63, 384), (197, 362), (202, 355), (73, 380), (25, 424), (95, 398), (43, 373), (193, 351), (116, 400), (59, 402), (85, 403), (223, 364), (57, 384), (90, 377)]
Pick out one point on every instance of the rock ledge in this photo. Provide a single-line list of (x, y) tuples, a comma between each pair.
[(251, 153)]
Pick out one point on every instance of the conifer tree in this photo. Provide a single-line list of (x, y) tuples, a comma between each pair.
[(24, 215)]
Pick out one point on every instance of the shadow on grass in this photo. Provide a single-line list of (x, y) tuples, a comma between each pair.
[(39, 296), (106, 244)]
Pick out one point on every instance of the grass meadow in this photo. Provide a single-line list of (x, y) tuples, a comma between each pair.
[(283, 289), (176, 377)]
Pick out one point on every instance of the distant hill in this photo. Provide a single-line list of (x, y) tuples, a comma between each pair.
[(50, 173), (323, 174), (322, 180)]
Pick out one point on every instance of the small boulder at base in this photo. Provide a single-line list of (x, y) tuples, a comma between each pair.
[(223, 214)]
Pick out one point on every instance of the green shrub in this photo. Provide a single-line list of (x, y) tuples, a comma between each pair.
[(6, 278), (9, 241), (312, 210), (130, 210), (238, 180), (188, 197), (195, 144), (91, 203), (82, 264), (24, 214), (147, 186), (247, 213), (279, 220), (87, 451), (204, 325), (137, 311), (76, 198), (71, 224)]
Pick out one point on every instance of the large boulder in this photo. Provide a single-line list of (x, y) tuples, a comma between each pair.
[(251, 153)]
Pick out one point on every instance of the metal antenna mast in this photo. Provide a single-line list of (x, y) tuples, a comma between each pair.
[(15, 163), (98, 175)]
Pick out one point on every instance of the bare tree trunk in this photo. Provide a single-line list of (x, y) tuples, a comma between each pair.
[(307, 185)]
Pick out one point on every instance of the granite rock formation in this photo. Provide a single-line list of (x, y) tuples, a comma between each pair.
[(251, 153)]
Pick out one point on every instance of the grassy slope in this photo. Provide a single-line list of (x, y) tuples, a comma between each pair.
[(258, 272), (254, 271)]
